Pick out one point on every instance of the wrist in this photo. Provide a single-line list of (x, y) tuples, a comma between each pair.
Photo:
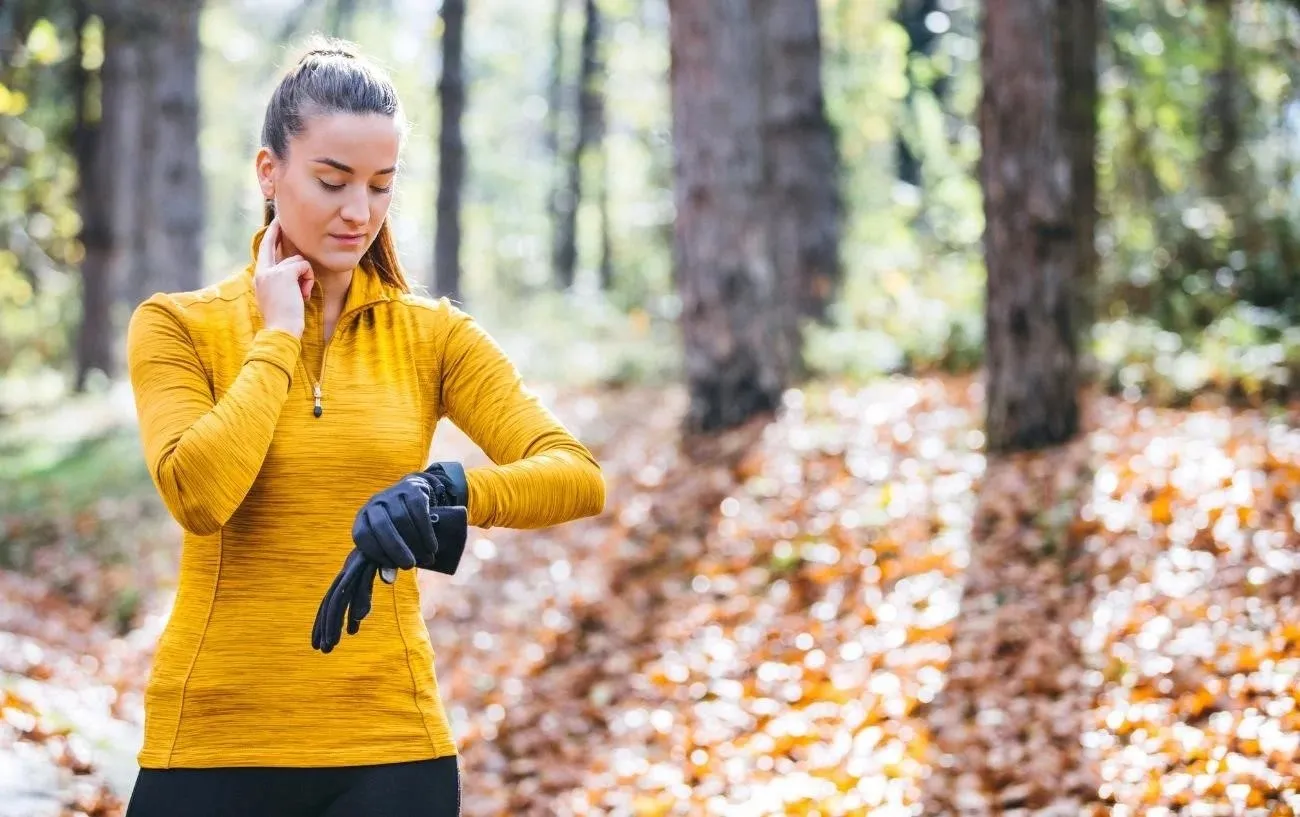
[(450, 475)]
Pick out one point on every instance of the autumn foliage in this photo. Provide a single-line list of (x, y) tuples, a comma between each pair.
[(847, 611)]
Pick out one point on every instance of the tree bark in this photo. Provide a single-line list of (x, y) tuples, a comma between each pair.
[(570, 198), (165, 200), (175, 255), (451, 151), (94, 342), (1038, 129), (910, 16), (801, 156), (110, 198), (740, 336)]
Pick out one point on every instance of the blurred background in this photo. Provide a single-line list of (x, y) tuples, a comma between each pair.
[(940, 356)]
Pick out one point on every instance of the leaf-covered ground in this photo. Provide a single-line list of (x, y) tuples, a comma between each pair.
[(848, 611)]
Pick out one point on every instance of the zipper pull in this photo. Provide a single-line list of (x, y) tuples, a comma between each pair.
[(317, 410)]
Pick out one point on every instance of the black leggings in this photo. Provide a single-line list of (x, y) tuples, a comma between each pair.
[(421, 788)]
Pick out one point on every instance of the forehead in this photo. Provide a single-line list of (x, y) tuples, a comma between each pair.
[(364, 142)]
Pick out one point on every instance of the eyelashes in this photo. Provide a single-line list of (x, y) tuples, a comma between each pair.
[(337, 187)]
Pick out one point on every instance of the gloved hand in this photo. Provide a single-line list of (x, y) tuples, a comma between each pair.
[(420, 521), (350, 593), (392, 529)]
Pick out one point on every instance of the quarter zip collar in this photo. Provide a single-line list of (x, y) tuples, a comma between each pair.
[(366, 288)]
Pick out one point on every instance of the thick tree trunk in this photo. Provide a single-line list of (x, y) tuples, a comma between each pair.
[(570, 199), (451, 151), (801, 156), (175, 258), (741, 343), (1038, 127), (111, 197), (166, 197)]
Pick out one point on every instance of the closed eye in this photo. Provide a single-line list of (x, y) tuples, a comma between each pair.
[(337, 187)]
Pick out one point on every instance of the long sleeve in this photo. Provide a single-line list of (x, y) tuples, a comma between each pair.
[(203, 455), (542, 475)]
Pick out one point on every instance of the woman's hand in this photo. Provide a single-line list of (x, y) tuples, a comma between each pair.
[(281, 286)]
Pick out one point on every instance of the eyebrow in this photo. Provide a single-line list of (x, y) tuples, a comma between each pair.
[(340, 166)]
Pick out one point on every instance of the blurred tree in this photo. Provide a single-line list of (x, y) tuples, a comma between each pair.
[(738, 325), (96, 124), (342, 15), (913, 16), (173, 194), (802, 163), (554, 125), (451, 151), (569, 199), (1038, 124)]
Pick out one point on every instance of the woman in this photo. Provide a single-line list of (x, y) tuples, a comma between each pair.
[(286, 414)]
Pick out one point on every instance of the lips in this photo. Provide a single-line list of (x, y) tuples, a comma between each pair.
[(344, 238)]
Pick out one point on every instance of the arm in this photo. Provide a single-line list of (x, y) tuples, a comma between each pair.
[(203, 455), (542, 476)]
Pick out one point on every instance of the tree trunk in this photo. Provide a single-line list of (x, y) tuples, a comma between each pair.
[(451, 151), (94, 343), (342, 13), (166, 198), (175, 259), (606, 237), (910, 16), (110, 197), (1038, 129), (801, 156), (739, 332), (570, 199)]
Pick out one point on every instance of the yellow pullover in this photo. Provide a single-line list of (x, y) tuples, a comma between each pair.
[(267, 492)]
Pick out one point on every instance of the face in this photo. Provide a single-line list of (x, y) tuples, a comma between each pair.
[(333, 189)]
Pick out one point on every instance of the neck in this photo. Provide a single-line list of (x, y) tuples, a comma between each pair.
[(334, 287), (333, 283)]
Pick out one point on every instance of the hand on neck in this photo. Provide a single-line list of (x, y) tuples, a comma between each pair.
[(333, 284)]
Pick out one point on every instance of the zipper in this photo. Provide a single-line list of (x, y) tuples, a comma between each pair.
[(318, 382)]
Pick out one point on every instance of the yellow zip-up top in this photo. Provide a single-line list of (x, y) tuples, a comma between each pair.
[(267, 493)]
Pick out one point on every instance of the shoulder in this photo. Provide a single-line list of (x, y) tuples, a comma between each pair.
[(195, 307), (439, 314)]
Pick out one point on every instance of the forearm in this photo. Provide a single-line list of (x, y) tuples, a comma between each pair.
[(549, 488), (205, 467)]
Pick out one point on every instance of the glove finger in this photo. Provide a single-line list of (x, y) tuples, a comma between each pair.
[(360, 607), (366, 538), (418, 516), (338, 601), (395, 549), (318, 626)]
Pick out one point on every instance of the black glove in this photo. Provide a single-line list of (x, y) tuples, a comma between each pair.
[(352, 589), (394, 529), (418, 522)]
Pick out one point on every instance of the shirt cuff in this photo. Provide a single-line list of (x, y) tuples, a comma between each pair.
[(277, 347)]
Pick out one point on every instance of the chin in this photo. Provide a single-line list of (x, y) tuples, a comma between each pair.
[(340, 261)]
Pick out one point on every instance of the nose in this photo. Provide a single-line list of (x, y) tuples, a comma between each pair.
[(356, 209)]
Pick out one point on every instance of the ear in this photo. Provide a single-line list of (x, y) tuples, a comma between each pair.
[(266, 165)]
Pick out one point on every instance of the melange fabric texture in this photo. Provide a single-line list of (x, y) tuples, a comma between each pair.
[(267, 492)]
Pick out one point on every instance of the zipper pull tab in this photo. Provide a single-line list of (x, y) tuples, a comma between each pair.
[(315, 390)]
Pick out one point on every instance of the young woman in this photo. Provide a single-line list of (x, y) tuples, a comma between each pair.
[(286, 414)]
